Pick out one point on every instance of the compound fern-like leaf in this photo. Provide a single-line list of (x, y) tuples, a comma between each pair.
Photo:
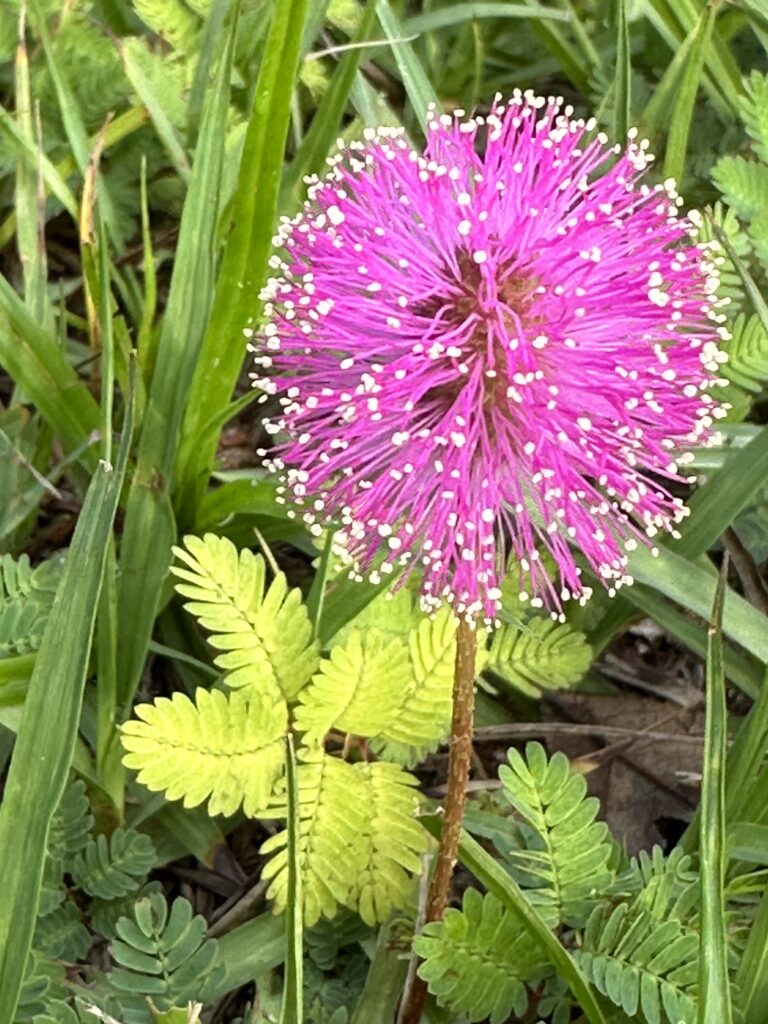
[(424, 713), (539, 654), (563, 861), (753, 107), (164, 955), (227, 748), (743, 183), (747, 351), (478, 960), (26, 598), (359, 689), (266, 637), (62, 935), (395, 841), (332, 818), (643, 965), (111, 868), (358, 839)]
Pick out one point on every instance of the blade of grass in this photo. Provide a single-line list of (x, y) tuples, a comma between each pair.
[(148, 95), (721, 78), (417, 86), (35, 361), (292, 1010), (150, 527), (46, 738), (247, 250), (72, 119), (316, 596), (714, 1002), (384, 984), (745, 672), (324, 128), (622, 100), (146, 341), (694, 588), (249, 950), (496, 880), (751, 981), (25, 148), (713, 507), (682, 115), (29, 198), (564, 52), (123, 126), (456, 14), (208, 49), (745, 786)]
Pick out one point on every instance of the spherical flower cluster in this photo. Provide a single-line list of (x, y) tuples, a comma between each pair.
[(502, 345)]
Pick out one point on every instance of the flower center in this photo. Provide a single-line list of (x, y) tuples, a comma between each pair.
[(485, 320)]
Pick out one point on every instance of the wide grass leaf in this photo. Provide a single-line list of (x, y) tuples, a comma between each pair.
[(46, 738)]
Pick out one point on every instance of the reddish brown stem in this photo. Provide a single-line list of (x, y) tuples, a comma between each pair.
[(459, 761)]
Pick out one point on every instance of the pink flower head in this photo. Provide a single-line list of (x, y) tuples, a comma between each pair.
[(502, 344)]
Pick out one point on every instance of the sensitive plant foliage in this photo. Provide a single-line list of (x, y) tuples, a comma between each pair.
[(505, 342), (634, 932)]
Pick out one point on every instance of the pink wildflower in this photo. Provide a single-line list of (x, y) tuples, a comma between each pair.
[(493, 350)]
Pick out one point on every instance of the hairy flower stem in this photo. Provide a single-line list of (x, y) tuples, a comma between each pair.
[(459, 760)]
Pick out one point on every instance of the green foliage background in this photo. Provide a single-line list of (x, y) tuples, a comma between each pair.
[(147, 148)]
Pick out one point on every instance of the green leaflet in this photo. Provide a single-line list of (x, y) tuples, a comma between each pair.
[(478, 960), (163, 954), (563, 858), (358, 689), (425, 711), (111, 868), (539, 654), (747, 350), (26, 598), (358, 841), (391, 684), (642, 961), (227, 748), (753, 108), (267, 636)]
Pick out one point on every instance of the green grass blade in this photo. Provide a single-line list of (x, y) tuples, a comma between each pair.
[(713, 507), (496, 880), (292, 1010), (72, 119), (146, 341), (33, 358), (456, 14), (680, 127), (694, 588), (564, 52), (46, 738), (744, 671), (244, 263), (324, 130), (384, 984), (29, 199), (149, 522), (622, 76), (251, 949), (676, 20), (147, 93), (751, 981), (120, 128), (25, 148), (417, 86), (714, 1001), (209, 46), (717, 502), (745, 786)]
